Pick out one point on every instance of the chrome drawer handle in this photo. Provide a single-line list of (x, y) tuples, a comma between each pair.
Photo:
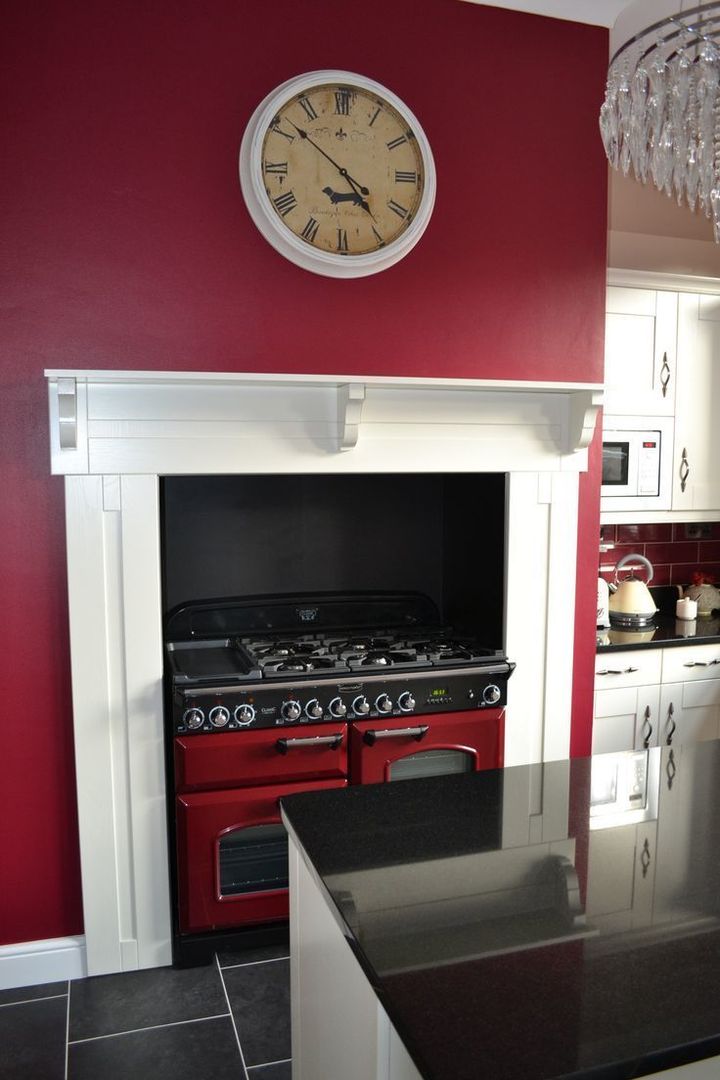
[(647, 728), (671, 726), (665, 375), (617, 671), (684, 469), (332, 741), (701, 663), (416, 733)]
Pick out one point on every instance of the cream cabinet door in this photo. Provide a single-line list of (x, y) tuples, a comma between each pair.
[(626, 718), (621, 873), (689, 712), (640, 351), (696, 460)]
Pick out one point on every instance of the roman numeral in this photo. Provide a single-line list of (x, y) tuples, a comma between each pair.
[(394, 143), (309, 111), (310, 231), (285, 203), (402, 177), (374, 116), (377, 236), (342, 102), (279, 168), (342, 240), (277, 130), (398, 209)]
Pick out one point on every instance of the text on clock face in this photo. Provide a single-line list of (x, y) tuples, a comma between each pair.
[(342, 169)]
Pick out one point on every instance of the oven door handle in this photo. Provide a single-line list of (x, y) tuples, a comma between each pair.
[(416, 733), (333, 741)]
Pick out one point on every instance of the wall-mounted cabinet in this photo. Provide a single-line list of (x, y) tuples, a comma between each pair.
[(662, 360)]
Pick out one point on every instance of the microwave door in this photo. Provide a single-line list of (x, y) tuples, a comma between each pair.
[(615, 464)]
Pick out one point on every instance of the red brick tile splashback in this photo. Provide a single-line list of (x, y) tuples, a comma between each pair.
[(674, 556)]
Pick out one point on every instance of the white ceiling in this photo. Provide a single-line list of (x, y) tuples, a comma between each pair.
[(597, 12)]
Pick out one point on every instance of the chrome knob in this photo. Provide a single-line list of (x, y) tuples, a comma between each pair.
[(290, 710), (406, 701), (219, 716), (383, 703), (361, 705), (313, 709), (337, 707), (244, 714), (193, 718), (491, 694)]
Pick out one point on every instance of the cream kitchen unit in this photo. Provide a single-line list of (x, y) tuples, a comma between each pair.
[(651, 697), (662, 360)]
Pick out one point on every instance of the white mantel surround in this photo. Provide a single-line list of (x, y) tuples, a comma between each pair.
[(115, 433)]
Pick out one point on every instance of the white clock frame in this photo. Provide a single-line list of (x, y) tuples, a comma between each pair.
[(271, 226)]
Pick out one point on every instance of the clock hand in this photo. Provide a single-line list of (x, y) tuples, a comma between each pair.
[(343, 172)]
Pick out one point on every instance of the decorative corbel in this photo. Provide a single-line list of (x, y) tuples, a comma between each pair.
[(582, 414), (351, 398)]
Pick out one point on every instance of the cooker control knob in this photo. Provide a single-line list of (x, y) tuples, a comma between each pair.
[(290, 710), (406, 701), (491, 694), (219, 716), (337, 707), (193, 718), (313, 709), (244, 715), (383, 703), (361, 705)]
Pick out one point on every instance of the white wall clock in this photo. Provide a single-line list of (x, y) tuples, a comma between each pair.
[(337, 174)]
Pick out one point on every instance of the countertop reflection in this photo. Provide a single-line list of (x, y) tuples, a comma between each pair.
[(514, 922)]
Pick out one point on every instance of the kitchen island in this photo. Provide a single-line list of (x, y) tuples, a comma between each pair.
[(537, 922)]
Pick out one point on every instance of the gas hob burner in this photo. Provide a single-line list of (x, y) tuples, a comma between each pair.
[(269, 650), (301, 665), (356, 648)]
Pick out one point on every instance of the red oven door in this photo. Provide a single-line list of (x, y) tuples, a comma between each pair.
[(232, 855), (263, 756), (413, 746)]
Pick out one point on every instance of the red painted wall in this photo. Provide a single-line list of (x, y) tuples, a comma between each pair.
[(130, 247)]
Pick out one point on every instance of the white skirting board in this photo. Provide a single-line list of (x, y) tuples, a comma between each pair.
[(46, 961)]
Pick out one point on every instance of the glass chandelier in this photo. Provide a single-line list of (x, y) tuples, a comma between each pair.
[(661, 114)]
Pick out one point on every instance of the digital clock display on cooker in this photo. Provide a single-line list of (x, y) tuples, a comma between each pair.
[(439, 691)]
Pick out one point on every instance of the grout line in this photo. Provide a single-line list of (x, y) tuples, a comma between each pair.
[(232, 1017), (267, 1064), (67, 1033), (31, 1001), (150, 1027), (252, 963)]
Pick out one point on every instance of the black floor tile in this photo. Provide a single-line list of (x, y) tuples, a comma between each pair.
[(107, 1004), (252, 956), (280, 1071), (260, 1000), (31, 993), (32, 1040), (206, 1050)]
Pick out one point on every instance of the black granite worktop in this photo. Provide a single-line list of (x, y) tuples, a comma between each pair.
[(667, 630), (488, 958)]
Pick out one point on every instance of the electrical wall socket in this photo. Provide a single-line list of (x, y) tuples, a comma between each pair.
[(698, 532)]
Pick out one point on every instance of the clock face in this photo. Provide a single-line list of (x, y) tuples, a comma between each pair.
[(342, 169), (337, 174)]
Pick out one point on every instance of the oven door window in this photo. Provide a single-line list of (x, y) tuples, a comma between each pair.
[(253, 859), (431, 763), (615, 464)]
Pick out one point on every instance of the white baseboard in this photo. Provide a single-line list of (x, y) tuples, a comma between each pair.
[(50, 960)]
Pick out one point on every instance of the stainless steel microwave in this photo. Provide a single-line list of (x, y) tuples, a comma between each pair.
[(636, 463)]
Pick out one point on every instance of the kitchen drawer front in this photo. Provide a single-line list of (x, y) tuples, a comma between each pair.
[(687, 663), (633, 668)]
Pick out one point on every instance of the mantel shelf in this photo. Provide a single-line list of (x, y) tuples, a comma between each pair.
[(164, 422)]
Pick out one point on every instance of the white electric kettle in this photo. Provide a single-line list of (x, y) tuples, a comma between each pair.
[(631, 604)]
